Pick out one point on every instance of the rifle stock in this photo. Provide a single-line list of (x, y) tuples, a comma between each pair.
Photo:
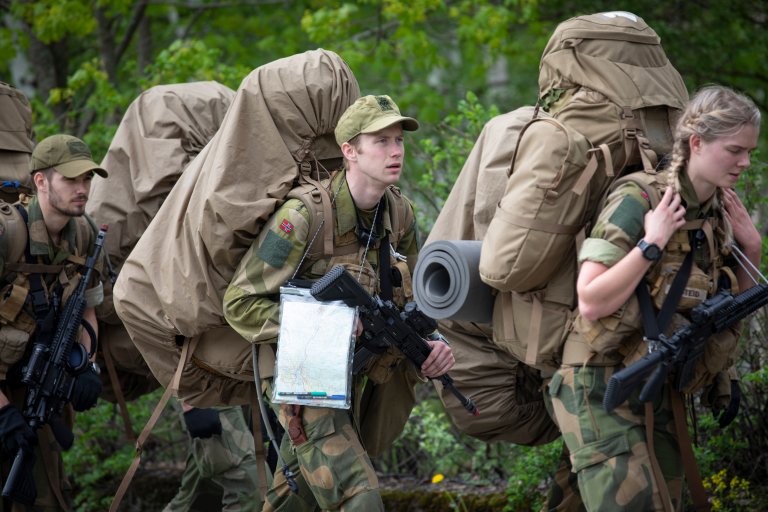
[(384, 325), (20, 485), (50, 377), (680, 352)]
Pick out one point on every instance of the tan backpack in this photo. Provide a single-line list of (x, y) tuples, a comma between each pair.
[(169, 292), (17, 139), (162, 130), (605, 77)]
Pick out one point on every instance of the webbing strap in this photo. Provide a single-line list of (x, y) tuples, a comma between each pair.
[(259, 452), (37, 268), (187, 348), (655, 325), (692, 475), (50, 463), (534, 330), (608, 160), (661, 483), (327, 207), (139, 447), (36, 289), (586, 175), (112, 372)]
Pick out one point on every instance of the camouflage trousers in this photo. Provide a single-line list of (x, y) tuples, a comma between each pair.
[(609, 451), (227, 460), (331, 468)]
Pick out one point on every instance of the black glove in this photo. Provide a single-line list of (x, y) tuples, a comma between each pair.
[(726, 416), (87, 389), (15, 433), (202, 423)]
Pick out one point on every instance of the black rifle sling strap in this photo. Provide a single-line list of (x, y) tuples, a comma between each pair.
[(654, 326), (385, 270)]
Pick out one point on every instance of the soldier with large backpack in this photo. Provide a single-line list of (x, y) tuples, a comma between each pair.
[(44, 242), (643, 240), (374, 237), (608, 101)]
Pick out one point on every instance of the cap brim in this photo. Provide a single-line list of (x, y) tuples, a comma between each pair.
[(75, 168), (409, 124)]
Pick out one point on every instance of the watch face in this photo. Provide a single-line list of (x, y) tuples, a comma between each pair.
[(652, 252)]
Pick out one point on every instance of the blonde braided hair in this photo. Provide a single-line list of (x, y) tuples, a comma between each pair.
[(714, 111)]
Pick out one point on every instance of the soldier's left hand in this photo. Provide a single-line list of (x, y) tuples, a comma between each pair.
[(86, 390), (439, 361)]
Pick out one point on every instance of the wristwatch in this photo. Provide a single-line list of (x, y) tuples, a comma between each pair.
[(651, 252)]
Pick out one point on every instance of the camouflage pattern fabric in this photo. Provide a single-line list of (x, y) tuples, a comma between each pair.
[(564, 492), (228, 460), (609, 451), (332, 469)]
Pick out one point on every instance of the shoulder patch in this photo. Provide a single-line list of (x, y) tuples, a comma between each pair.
[(629, 216), (274, 250)]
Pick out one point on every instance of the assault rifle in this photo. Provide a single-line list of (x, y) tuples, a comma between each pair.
[(683, 348), (384, 325), (55, 362)]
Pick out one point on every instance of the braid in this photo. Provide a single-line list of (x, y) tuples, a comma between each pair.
[(680, 152)]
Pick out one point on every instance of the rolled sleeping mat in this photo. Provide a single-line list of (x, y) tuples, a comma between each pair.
[(447, 284)]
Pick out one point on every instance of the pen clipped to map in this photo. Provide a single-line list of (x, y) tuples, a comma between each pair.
[(309, 395)]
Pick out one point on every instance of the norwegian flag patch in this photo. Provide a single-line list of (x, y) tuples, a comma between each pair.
[(286, 226)]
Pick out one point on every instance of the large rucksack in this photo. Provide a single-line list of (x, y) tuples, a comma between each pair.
[(169, 292), (613, 98), (17, 139), (162, 130)]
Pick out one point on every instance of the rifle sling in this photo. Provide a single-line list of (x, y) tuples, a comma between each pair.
[(658, 476), (385, 270), (698, 494), (52, 475), (655, 325)]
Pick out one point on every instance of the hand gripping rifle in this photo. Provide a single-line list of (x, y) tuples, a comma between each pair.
[(384, 325), (683, 348), (57, 359)]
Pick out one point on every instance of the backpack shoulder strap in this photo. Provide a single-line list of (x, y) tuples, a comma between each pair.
[(401, 215), (648, 181)]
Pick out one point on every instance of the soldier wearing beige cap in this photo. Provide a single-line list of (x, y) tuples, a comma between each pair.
[(44, 240), (373, 233)]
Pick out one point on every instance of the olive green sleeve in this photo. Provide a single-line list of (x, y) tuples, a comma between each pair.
[(619, 226), (251, 302)]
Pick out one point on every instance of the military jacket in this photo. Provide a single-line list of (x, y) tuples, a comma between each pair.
[(613, 339), (60, 272), (251, 302)]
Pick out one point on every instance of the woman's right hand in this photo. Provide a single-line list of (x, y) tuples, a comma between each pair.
[(662, 222)]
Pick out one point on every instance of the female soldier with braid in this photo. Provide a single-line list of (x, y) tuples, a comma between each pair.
[(622, 463)]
